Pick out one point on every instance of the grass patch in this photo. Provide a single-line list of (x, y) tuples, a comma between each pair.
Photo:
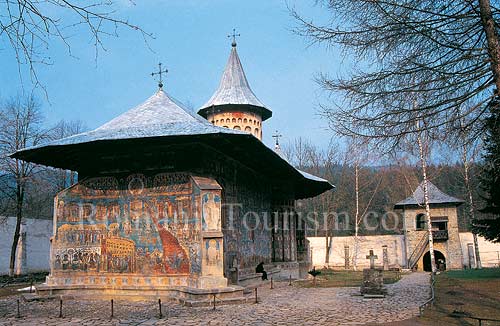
[(464, 292), (475, 274), (331, 278)]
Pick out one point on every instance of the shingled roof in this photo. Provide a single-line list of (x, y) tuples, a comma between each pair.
[(160, 125), (234, 90), (436, 196)]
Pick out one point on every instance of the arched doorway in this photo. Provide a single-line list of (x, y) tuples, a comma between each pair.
[(438, 258)]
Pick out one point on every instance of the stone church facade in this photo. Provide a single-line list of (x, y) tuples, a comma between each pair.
[(170, 204)]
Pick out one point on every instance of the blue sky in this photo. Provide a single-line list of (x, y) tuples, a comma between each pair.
[(191, 41)]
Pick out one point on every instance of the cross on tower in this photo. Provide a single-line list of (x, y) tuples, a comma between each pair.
[(234, 35), (277, 136), (372, 258), (160, 72)]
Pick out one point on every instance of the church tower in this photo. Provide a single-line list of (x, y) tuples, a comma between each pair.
[(234, 105)]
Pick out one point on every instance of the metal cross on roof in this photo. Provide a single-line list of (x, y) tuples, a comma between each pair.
[(234, 35), (277, 136), (160, 72)]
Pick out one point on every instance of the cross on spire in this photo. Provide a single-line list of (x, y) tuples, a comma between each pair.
[(277, 136), (234, 35), (160, 72)]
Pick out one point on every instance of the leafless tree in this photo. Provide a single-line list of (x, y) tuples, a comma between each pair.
[(30, 26), (64, 129), (359, 153), (469, 148), (446, 51), (20, 127)]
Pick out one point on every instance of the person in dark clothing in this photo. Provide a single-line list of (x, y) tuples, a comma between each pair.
[(260, 269)]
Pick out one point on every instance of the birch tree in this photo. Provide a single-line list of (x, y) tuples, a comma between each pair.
[(467, 145), (360, 156), (423, 151)]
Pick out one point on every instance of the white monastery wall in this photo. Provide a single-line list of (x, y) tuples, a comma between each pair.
[(395, 250), (33, 248), (489, 252)]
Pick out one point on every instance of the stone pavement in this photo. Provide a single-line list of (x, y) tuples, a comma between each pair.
[(283, 305)]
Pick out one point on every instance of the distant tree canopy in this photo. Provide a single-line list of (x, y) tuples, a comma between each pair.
[(396, 183), (490, 181)]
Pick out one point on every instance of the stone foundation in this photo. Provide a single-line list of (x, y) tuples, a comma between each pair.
[(182, 294), (373, 282)]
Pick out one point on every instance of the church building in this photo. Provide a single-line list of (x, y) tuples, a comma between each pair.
[(173, 204)]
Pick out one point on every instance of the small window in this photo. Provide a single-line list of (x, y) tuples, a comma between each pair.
[(236, 128), (420, 222), (248, 129), (257, 132), (228, 120), (225, 127), (234, 120), (245, 120), (239, 120)]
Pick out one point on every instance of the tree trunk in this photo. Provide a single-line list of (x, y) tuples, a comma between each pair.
[(356, 219), (327, 245), (17, 232), (492, 39), (426, 198)]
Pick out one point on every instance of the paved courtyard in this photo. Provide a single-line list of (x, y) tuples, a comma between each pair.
[(283, 305)]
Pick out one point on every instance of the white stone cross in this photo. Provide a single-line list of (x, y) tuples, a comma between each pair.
[(372, 258)]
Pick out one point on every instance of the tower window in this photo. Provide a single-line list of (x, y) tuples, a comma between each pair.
[(234, 120), (420, 222), (228, 120), (239, 120), (248, 129), (257, 132), (236, 128)]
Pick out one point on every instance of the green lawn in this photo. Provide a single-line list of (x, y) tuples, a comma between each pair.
[(467, 292), (474, 274), (332, 278)]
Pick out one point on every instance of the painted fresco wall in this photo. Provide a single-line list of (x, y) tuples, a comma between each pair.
[(150, 226), (247, 231)]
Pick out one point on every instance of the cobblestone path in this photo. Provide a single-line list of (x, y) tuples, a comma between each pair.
[(283, 305)]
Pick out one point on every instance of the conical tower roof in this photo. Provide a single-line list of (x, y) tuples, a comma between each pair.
[(436, 196), (234, 90)]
